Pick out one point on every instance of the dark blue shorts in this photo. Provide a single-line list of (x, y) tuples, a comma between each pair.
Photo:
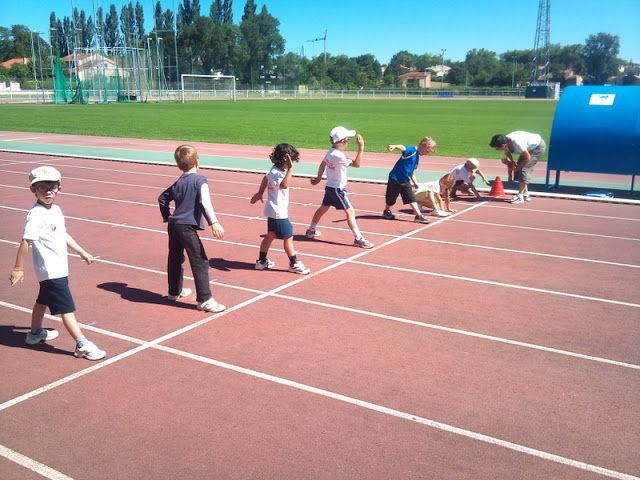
[(56, 295), (280, 226), (336, 197)]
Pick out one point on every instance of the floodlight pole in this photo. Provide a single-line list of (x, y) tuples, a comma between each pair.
[(513, 75), (442, 69)]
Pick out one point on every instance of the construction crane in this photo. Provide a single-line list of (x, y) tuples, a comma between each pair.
[(540, 63), (324, 39)]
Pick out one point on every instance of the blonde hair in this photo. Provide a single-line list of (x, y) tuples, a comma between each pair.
[(429, 142), (449, 179), (186, 157)]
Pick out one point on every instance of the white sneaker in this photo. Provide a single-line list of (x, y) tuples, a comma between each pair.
[(312, 233), (362, 243), (44, 336), (517, 198), (184, 293), (299, 268), (90, 352), (211, 306), (260, 265), (527, 197), (439, 213)]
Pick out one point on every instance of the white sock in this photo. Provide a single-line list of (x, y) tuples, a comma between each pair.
[(313, 226), (356, 233)]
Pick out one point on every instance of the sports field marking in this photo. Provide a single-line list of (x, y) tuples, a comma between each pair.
[(31, 464), (572, 214), (525, 252), (25, 461), (506, 285), (586, 234), (408, 417)]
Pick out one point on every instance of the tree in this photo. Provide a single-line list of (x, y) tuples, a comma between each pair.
[(260, 42), (601, 52), (482, 67), (111, 33)]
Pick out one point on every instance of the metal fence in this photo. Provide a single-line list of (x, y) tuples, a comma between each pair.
[(47, 96)]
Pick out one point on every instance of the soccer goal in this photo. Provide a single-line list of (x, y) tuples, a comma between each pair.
[(208, 87)]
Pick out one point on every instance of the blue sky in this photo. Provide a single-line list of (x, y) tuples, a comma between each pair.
[(382, 28)]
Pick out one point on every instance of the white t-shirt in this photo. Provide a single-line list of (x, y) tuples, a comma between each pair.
[(461, 173), (433, 186), (524, 141), (277, 204), (46, 229), (336, 167)]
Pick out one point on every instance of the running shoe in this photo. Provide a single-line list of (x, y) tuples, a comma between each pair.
[(44, 336), (527, 197), (387, 215), (263, 265), (211, 306), (362, 243), (421, 219), (439, 213), (90, 352), (184, 293), (517, 198), (312, 233), (299, 268)]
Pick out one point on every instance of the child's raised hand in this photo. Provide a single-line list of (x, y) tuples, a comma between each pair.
[(360, 141), (288, 163), (390, 148)]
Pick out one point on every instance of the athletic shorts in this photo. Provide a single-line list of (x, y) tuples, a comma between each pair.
[(395, 188), (525, 175), (56, 295), (280, 226), (336, 197)]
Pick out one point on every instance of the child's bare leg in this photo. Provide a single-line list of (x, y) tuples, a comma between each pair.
[(266, 241), (37, 315), (319, 213), (416, 208), (288, 247), (351, 218), (70, 323)]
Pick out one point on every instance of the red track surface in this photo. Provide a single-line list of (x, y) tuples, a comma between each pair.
[(498, 343)]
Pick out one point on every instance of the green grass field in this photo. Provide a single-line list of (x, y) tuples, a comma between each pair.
[(462, 128)]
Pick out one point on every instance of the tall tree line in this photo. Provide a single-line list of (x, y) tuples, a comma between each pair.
[(208, 41)]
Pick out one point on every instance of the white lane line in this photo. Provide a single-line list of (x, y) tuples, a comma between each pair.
[(526, 252), (504, 225), (407, 416), (32, 464)]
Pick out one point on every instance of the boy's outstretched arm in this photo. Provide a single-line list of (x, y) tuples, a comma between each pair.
[(17, 274), (73, 245), (321, 167), (391, 148)]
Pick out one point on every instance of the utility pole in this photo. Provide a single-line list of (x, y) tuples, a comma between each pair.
[(442, 68)]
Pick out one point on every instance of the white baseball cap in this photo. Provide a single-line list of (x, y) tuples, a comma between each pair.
[(474, 162), (340, 133), (44, 174)]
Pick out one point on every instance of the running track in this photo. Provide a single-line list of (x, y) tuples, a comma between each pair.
[(501, 342)]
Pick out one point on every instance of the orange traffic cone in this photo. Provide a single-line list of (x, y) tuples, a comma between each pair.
[(497, 189)]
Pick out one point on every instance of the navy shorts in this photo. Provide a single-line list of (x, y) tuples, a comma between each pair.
[(280, 226), (56, 295), (336, 197)]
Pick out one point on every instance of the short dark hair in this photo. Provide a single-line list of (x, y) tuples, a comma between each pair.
[(498, 140), (280, 152)]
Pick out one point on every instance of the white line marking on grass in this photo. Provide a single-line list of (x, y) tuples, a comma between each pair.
[(31, 464), (406, 416)]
